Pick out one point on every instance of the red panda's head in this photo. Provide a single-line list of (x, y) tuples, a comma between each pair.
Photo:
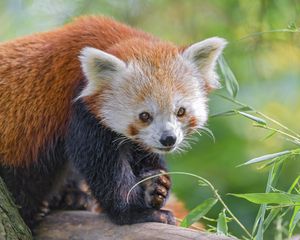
[(152, 92)]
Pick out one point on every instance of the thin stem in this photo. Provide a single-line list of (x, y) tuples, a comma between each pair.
[(296, 135), (278, 123), (215, 192), (278, 131), (230, 213), (284, 30)]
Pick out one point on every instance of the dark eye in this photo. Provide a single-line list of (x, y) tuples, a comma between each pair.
[(145, 117), (181, 112)]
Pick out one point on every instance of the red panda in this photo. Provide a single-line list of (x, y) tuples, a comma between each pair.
[(106, 99)]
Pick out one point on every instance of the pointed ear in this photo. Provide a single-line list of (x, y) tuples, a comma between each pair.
[(98, 67), (204, 55)]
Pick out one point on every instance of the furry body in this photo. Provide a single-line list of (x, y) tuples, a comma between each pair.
[(129, 97)]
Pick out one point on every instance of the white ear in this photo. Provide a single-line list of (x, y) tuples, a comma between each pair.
[(98, 67), (205, 55)]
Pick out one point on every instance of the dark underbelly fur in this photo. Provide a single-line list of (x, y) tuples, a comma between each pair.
[(95, 155)]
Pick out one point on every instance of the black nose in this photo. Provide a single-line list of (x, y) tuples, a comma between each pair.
[(168, 139)]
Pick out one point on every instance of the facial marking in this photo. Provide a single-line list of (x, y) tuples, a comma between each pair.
[(132, 130), (193, 122)]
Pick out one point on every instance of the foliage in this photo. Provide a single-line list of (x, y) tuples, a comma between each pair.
[(276, 202)]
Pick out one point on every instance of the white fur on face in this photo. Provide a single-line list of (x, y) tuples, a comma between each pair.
[(140, 87), (99, 67), (121, 108), (204, 55), (193, 99)]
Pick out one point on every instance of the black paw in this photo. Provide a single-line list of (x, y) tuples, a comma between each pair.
[(164, 216), (42, 212), (156, 190), (73, 197), (33, 216)]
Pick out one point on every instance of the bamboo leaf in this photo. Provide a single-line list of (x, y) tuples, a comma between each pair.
[(231, 112), (271, 216), (294, 184), (294, 220), (269, 135), (226, 113), (257, 219), (272, 180), (266, 157), (222, 228), (253, 118), (270, 198), (230, 81), (198, 212), (276, 160)]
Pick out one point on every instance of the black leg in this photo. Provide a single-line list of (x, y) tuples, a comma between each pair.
[(111, 170), (156, 189)]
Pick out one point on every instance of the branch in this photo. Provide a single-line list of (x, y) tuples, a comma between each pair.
[(85, 225)]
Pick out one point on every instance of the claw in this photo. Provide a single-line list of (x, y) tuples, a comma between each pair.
[(156, 189)]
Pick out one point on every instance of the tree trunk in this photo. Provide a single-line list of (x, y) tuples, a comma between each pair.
[(12, 226), (83, 225)]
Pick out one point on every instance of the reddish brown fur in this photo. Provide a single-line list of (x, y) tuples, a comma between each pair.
[(156, 54), (193, 123), (132, 130), (38, 77), (135, 127)]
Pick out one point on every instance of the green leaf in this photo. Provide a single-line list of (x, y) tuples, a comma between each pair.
[(226, 113), (257, 219), (266, 157), (269, 135), (270, 198), (231, 112), (294, 184), (296, 213), (253, 118), (230, 81), (277, 160), (198, 212), (271, 216), (272, 180), (294, 220), (222, 227)]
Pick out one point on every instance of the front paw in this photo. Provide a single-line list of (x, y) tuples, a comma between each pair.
[(156, 190), (164, 216)]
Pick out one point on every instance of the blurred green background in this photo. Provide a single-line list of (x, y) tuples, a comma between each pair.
[(267, 67)]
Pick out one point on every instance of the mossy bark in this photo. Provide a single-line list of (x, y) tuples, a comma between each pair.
[(12, 226)]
